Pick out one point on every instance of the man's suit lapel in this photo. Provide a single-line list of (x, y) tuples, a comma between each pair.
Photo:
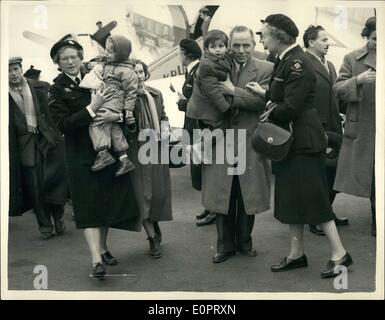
[(318, 67), (248, 73)]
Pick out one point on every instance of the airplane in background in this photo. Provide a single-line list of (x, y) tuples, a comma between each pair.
[(156, 32)]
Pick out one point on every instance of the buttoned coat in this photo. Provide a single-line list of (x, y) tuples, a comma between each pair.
[(255, 182), (99, 198), (356, 161)]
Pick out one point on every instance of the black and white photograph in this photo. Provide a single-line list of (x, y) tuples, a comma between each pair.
[(192, 150)]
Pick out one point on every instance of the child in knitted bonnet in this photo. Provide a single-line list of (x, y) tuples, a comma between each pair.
[(115, 74)]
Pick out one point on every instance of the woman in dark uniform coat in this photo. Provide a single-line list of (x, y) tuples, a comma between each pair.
[(99, 199), (301, 191)]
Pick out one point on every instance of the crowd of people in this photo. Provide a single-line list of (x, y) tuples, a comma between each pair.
[(79, 138)]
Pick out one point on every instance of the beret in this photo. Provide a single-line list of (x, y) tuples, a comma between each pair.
[(190, 47), (32, 73), (282, 22), (13, 60), (64, 43)]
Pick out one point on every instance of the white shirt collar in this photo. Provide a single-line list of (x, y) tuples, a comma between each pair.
[(287, 49), (73, 78), (192, 65)]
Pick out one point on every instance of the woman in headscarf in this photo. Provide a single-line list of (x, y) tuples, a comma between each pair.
[(355, 85), (151, 180)]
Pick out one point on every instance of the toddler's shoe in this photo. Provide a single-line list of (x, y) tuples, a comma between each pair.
[(103, 159), (125, 166)]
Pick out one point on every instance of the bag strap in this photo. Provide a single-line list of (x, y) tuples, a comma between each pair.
[(264, 117)]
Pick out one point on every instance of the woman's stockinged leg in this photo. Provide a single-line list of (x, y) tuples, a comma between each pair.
[(149, 228), (296, 240), (92, 236), (103, 239), (337, 249)]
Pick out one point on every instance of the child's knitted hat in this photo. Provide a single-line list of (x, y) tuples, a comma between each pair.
[(122, 47)]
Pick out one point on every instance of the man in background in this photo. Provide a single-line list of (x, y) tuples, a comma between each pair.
[(316, 41)]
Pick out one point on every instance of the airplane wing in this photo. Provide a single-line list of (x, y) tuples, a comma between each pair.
[(39, 39)]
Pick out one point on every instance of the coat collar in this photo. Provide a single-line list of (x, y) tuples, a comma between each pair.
[(64, 81), (153, 91), (249, 72), (318, 66), (32, 85), (286, 57), (363, 53)]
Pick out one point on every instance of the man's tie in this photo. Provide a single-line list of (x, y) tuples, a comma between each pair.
[(276, 63), (186, 75), (241, 67), (77, 80)]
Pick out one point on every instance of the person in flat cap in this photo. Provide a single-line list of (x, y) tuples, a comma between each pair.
[(100, 200), (37, 174), (190, 54), (301, 190), (356, 87)]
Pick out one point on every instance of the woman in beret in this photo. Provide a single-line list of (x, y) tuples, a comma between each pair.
[(301, 191), (356, 86), (100, 200)]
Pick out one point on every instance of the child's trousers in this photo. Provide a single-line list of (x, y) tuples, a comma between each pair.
[(105, 135)]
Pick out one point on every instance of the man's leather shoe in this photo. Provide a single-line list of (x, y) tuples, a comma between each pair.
[(203, 214), (46, 235), (108, 259), (59, 226), (248, 252), (222, 256), (341, 221), (330, 271), (98, 271), (288, 264), (209, 219), (316, 230)]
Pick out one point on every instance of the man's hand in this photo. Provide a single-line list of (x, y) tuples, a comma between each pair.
[(227, 86), (256, 88), (368, 76)]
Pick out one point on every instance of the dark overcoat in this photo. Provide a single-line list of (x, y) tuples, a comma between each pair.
[(99, 199), (325, 99), (355, 169), (48, 142), (207, 102)]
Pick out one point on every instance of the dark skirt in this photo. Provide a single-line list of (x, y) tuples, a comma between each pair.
[(101, 200), (301, 190)]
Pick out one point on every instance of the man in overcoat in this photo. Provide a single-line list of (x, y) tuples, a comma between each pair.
[(37, 174), (316, 41), (236, 198)]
